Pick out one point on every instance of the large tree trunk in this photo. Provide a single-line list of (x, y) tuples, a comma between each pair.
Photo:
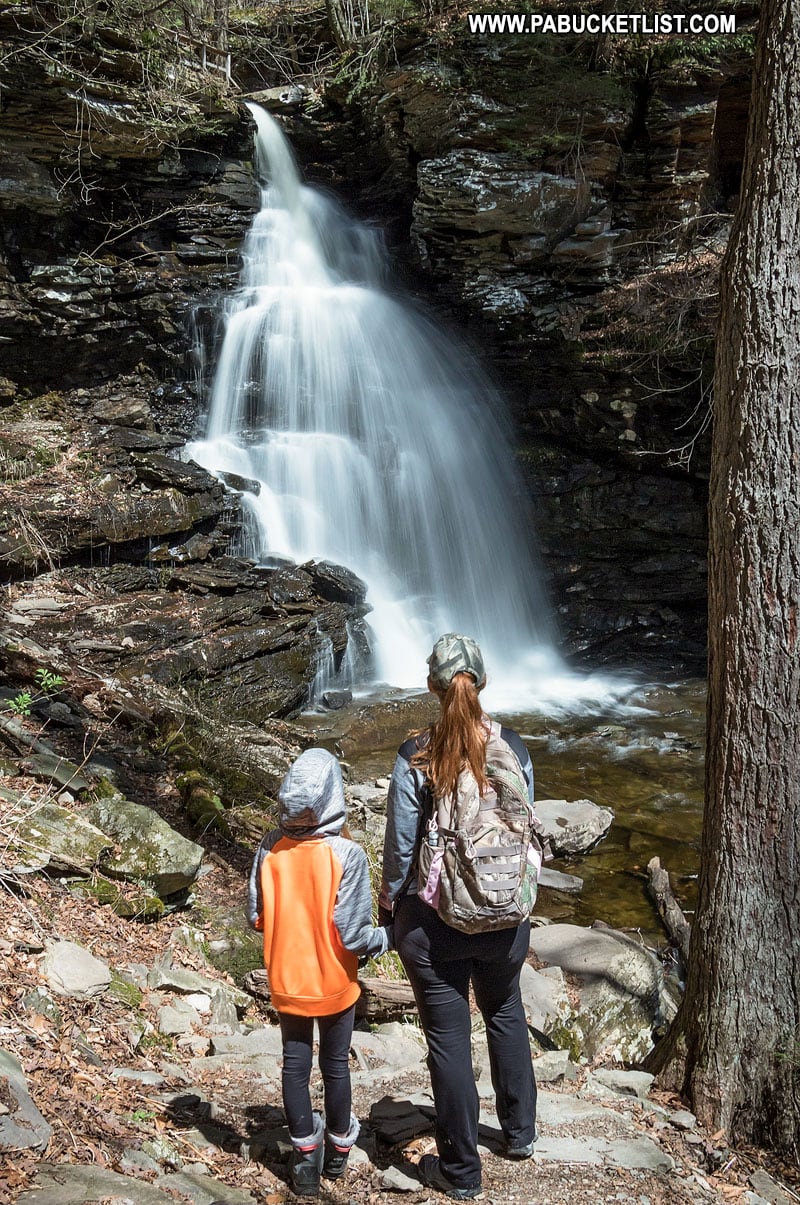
[(221, 13), (735, 1047)]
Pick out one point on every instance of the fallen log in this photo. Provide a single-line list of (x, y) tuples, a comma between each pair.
[(670, 911), (385, 999), (15, 735), (380, 999)]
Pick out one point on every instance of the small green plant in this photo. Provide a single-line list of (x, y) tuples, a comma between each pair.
[(21, 705), (48, 682), (142, 1115)]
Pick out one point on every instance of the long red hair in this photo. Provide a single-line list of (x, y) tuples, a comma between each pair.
[(456, 741)]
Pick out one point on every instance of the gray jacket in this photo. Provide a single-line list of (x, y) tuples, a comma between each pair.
[(406, 814), (312, 809)]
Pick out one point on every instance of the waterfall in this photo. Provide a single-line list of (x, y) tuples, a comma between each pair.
[(377, 441)]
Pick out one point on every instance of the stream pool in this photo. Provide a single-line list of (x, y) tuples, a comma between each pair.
[(644, 761)]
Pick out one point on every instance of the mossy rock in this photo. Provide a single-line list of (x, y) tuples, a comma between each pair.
[(248, 824), (142, 906), (103, 788), (244, 946), (48, 836), (147, 850), (125, 991), (203, 805), (179, 749)]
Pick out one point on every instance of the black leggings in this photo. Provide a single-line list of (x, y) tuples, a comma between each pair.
[(441, 964), (335, 1033)]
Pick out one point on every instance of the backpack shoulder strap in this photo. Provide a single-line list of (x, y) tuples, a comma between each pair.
[(515, 743), (501, 752)]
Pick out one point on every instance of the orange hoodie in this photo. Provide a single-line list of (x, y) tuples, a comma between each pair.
[(310, 894), (310, 972)]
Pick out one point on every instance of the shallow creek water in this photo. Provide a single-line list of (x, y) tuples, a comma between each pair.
[(644, 761)]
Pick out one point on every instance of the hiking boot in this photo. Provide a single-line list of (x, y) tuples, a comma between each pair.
[(305, 1171), (306, 1167), (432, 1176), (335, 1162), (337, 1148), (520, 1152)]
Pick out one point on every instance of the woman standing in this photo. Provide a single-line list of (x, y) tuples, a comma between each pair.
[(441, 962)]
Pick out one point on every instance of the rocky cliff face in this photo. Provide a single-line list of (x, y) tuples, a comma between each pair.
[(126, 191), (572, 208), (124, 198), (569, 210)]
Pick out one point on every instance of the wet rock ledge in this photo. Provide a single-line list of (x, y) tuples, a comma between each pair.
[(119, 559)]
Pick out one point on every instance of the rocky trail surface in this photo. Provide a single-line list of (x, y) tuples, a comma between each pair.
[(132, 1069), (133, 1065)]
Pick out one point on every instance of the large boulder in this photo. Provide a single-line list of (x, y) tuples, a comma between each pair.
[(623, 999), (47, 836), (147, 849)]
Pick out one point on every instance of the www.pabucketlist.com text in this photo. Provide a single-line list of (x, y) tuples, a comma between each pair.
[(621, 24)]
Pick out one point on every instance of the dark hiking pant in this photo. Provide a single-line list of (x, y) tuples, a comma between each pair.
[(441, 963), (335, 1033)]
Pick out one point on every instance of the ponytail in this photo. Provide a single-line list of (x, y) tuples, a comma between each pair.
[(456, 741)]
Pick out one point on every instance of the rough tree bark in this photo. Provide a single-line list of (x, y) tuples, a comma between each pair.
[(341, 27), (221, 15), (735, 1046)]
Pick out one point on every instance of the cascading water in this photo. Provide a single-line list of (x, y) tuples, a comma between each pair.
[(376, 442)]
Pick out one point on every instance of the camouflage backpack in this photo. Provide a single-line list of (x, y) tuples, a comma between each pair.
[(480, 855)]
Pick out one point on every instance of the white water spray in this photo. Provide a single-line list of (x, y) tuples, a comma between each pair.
[(377, 444)]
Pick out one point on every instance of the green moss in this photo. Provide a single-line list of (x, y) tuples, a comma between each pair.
[(566, 1038), (45, 405), (212, 777), (124, 991), (142, 906), (245, 953), (103, 789), (203, 805)]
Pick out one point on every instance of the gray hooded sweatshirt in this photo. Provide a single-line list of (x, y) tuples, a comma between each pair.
[(312, 809)]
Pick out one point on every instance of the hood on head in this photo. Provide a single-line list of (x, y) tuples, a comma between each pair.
[(312, 796)]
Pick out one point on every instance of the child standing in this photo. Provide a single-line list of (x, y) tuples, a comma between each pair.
[(310, 894)]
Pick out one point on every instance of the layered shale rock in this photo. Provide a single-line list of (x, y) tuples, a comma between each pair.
[(124, 198), (571, 204)]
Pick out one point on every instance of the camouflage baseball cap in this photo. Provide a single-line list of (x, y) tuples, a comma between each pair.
[(455, 654)]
